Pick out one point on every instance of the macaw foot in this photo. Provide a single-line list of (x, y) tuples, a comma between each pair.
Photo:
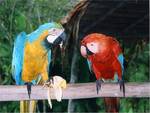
[(29, 84), (48, 83), (98, 85), (122, 86)]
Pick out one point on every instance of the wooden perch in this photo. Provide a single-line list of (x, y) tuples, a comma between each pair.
[(75, 91)]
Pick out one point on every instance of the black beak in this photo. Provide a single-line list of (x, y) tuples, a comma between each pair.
[(88, 51), (61, 38)]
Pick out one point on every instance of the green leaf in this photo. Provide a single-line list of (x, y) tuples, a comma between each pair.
[(20, 21), (130, 110), (4, 50)]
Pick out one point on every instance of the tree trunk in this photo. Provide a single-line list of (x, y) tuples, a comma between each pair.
[(74, 64), (74, 78)]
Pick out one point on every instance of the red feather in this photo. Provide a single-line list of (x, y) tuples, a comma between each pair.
[(112, 105), (105, 62)]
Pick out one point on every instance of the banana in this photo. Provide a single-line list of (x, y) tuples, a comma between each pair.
[(58, 84)]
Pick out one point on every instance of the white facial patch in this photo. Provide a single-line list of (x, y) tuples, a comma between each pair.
[(54, 33), (93, 47)]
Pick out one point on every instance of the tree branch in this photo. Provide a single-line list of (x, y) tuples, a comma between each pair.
[(74, 91)]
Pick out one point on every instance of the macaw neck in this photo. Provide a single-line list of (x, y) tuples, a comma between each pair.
[(109, 58), (47, 45)]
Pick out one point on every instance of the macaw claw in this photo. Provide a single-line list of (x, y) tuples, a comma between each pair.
[(98, 85), (122, 86), (48, 83), (29, 84)]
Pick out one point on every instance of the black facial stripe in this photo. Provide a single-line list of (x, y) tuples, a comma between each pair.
[(57, 41), (88, 51), (47, 44)]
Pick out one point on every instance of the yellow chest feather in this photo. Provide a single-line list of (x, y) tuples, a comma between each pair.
[(35, 60)]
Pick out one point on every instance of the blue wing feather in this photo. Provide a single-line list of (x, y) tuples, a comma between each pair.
[(121, 60), (17, 60), (89, 65)]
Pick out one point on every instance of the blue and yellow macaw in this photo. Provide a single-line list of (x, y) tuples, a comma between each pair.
[(32, 57)]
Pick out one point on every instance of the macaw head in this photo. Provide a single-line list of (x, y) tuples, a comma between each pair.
[(94, 44), (56, 34)]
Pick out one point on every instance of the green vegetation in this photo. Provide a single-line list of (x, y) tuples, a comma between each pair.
[(27, 15)]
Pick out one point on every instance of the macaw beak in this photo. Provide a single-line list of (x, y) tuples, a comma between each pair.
[(88, 51), (60, 40), (63, 37), (85, 51)]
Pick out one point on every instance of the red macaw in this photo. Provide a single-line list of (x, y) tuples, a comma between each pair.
[(105, 60)]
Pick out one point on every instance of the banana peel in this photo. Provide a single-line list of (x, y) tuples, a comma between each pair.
[(58, 84)]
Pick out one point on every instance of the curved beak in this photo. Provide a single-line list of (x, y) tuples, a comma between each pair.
[(85, 51), (63, 37), (88, 51), (60, 40)]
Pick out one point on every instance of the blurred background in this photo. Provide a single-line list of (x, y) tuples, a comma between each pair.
[(26, 15)]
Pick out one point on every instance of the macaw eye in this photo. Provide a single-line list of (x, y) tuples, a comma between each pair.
[(92, 44), (54, 29)]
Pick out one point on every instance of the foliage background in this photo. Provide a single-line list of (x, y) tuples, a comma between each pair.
[(27, 15)]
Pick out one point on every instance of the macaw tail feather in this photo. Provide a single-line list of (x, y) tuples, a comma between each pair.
[(28, 106), (111, 104)]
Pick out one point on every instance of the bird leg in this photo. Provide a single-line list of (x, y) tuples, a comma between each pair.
[(29, 84), (122, 86), (98, 85)]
